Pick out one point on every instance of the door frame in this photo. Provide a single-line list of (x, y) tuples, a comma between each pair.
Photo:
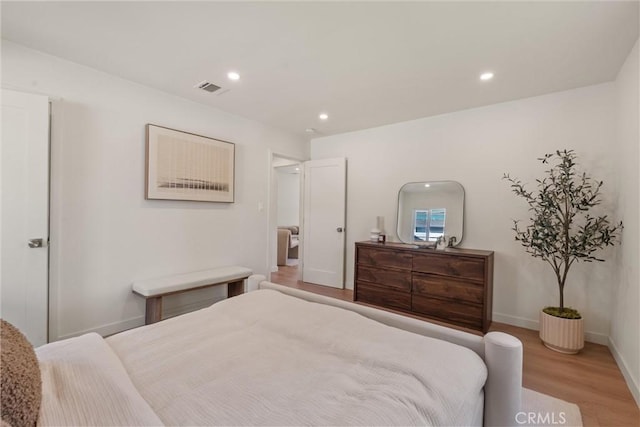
[(272, 210)]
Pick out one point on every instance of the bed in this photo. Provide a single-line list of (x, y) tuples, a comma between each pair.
[(281, 356)]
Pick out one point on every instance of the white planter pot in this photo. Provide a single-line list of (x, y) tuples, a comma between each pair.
[(562, 335)]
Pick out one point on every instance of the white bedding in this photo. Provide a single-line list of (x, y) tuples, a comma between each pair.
[(265, 358), (84, 383)]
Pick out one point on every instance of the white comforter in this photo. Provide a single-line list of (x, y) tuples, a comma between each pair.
[(265, 358), (84, 383)]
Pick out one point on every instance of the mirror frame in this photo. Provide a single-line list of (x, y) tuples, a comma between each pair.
[(430, 244)]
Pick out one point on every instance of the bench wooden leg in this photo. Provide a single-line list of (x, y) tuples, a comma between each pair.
[(153, 312), (235, 288)]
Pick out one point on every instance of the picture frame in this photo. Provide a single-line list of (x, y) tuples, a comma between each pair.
[(185, 166)]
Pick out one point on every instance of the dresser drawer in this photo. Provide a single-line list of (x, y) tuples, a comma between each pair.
[(448, 287), (467, 267), (452, 286), (384, 258), (449, 311), (382, 296), (397, 279)]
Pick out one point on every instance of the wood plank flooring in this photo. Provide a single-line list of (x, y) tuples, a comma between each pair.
[(590, 379)]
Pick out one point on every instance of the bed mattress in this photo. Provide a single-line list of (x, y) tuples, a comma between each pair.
[(265, 358)]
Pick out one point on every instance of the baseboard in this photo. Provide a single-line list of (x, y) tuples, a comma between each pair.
[(631, 382), (134, 322), (516, 321), (593, 337), (109, 329)]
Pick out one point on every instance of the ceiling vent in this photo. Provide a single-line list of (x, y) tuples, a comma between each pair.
[(209, 87)]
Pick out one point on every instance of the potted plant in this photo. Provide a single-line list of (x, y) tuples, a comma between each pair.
[(562, 231)]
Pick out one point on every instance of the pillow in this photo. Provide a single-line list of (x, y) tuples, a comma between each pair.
[(21, 386)]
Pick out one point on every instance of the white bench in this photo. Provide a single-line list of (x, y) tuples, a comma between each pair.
[(154, 289)]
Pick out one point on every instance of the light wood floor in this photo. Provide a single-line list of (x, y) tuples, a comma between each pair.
[(591, 379)]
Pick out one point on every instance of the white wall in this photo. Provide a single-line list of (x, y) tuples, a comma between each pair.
[(288, 198), (625, 322), (475, 147), (104, 233)]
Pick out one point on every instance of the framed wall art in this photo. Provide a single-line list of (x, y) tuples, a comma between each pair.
[(185, 166)]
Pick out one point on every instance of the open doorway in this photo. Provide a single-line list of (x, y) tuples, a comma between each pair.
[(286, 222)]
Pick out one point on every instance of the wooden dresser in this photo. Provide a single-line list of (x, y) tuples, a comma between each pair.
[(452, 285)]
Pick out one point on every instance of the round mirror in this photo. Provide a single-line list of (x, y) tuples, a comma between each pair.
[(430, 210)]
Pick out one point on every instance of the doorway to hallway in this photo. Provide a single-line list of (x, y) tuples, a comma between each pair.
[(285, 223)]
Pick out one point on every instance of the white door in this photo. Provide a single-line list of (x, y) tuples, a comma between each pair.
[(324, 221), (24, 213)]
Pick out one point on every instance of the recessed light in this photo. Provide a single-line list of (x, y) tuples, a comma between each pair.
[(323, 116), (233, 75), (297, 169), (486, 76), (427, 185)]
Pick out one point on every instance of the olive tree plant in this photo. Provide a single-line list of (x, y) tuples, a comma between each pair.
[(562, 230)]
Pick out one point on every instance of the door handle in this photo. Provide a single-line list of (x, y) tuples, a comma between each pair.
[(339, 229), (36, 243)]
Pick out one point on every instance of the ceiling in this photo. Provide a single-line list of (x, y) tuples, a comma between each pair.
[(365, 64)]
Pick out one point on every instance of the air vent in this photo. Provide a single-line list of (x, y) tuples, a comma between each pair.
[(209, 87)]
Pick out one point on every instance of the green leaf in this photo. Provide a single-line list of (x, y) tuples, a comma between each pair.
[(561, 229)]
